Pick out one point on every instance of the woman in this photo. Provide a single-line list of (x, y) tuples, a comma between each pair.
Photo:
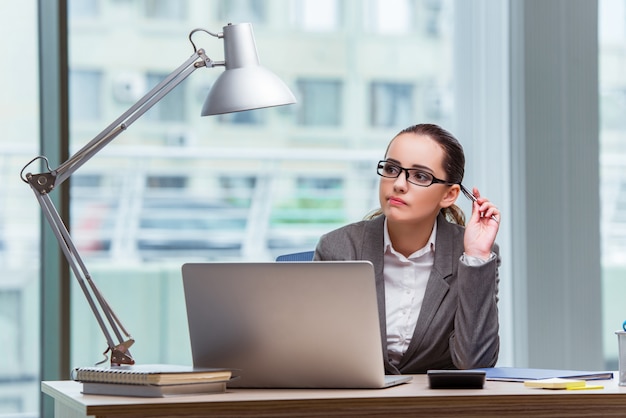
[(437, 280)]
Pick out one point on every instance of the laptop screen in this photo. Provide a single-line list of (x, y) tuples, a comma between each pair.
[(301, 324)]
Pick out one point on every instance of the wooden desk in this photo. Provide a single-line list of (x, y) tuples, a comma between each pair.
[(497, 399)]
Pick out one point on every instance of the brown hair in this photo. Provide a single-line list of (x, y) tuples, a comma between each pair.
[(453, 163)]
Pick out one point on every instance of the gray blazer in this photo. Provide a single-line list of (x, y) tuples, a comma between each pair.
[(457, 327)]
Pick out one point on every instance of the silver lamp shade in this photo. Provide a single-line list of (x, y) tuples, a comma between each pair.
[(245, 84)]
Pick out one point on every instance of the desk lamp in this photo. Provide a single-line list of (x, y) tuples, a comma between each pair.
[(244, 85)]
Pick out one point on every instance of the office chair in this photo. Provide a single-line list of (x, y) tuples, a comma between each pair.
[(301, 256)]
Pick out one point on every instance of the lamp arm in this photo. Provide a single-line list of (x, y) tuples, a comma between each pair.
[(97, 303), (122, 123), (43, 183)]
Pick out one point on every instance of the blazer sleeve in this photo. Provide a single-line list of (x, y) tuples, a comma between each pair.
[(475, 342)]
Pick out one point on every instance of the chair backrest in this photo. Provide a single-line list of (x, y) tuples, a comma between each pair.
[(301, 256)]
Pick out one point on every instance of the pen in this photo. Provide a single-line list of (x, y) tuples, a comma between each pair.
[(471, 197)]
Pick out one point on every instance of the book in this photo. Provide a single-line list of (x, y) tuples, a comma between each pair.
[(150, 374), (152, 391), (515, 374)]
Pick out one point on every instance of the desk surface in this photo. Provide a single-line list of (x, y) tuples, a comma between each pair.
[(496, 399)]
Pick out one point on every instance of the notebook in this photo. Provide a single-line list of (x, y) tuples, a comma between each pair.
[(287, 325), (516, 374)]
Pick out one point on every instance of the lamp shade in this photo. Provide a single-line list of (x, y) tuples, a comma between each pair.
[(245, 84)]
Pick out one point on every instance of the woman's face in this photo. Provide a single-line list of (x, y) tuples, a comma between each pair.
[(402, 201)]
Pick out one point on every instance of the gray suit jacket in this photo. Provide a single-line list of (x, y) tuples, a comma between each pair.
[(457, 326)]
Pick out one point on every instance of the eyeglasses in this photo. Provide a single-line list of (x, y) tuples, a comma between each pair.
[(413, 175), (421, 178)]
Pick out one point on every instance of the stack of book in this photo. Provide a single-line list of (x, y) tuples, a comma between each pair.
[(151, 380)]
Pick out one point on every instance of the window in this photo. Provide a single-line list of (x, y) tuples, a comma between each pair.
[(612, 50), (172, 107), (316, 15), (391, 104), (237, 190), (247, 117), (85, 95), (166, 182), (251, 11), (433, 18), (321, 194), (80, 9), (390, 16), (243, 186), (20, 305), (13, 339), (166, 9), (437, 102), (320, 102)]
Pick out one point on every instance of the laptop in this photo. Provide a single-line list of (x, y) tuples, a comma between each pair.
[(287, 325)]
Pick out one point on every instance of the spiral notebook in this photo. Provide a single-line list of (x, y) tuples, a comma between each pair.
[(150, 374), (287, 325)]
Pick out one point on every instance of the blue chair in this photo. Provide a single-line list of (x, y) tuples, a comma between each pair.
[(301, 256)]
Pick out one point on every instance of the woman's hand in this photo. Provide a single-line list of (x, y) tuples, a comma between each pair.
[(482, 227)]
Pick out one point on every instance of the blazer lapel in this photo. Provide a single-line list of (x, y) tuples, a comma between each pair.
[(373, 250)]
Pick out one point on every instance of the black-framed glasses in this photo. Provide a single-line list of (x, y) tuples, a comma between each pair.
[(413, 175)]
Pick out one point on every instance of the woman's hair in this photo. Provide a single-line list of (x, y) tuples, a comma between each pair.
[(453, 163)]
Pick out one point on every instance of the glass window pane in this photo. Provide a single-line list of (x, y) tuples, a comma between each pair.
[(172, 107), (390, 16), (316, 15), (391, 104), (165, 9), (320, 102), (247, 117), (84, 95), (80, 9), (251, 11), (612, 50), (19, 212), (177, 187)]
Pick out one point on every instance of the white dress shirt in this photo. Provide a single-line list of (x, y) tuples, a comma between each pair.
[(405, 285)]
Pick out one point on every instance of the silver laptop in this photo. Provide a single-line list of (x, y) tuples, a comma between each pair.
[(287, 325)]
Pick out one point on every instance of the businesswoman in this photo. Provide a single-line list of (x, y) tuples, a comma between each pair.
[(436, 278)]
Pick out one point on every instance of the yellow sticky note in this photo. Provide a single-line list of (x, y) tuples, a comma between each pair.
[(586, 387), (556, 383)]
